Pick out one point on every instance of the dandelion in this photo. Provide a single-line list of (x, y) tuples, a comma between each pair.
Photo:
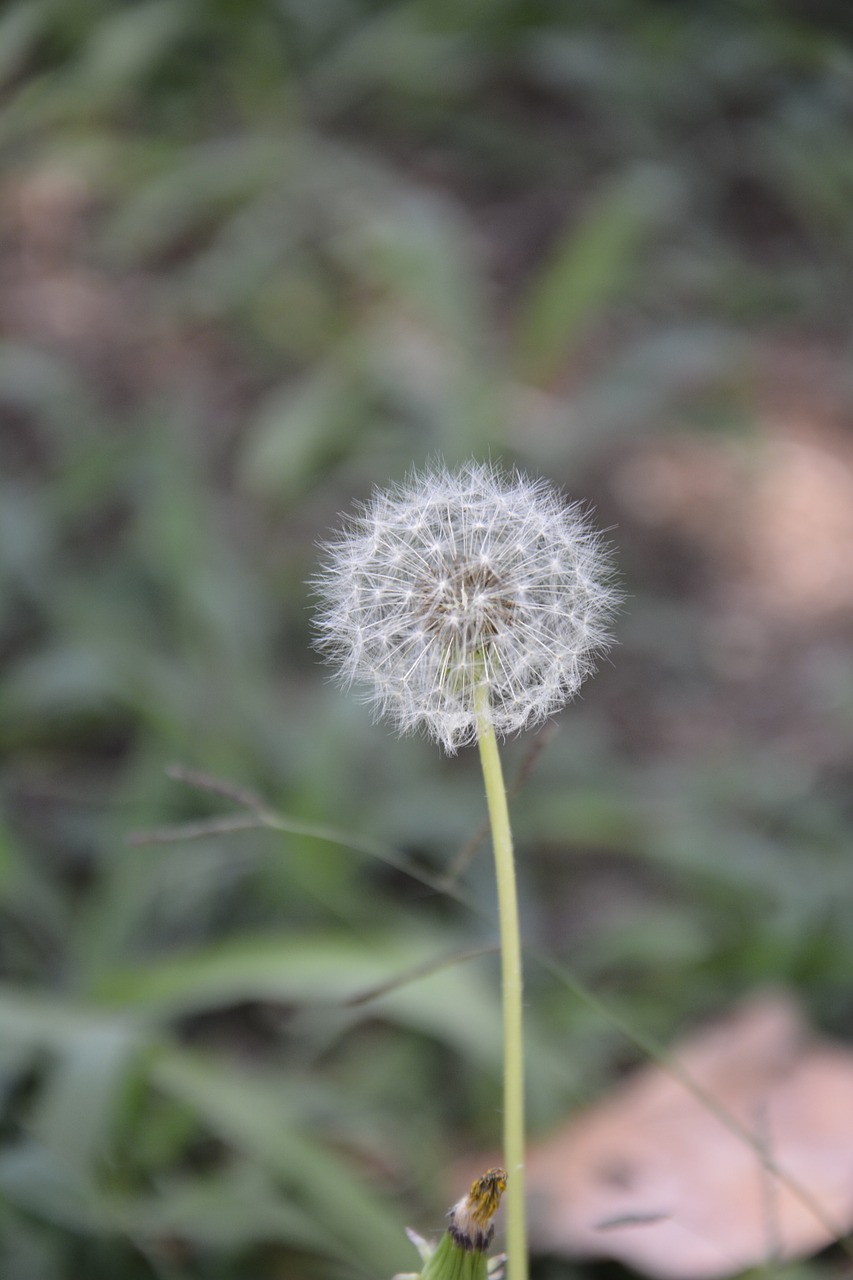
[(461, 1252), (455, 582), (471, 604)]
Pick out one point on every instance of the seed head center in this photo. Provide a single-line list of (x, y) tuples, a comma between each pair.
[(466, 606)]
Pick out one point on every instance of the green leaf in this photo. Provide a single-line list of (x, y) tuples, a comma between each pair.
[(298, 430), (78, 1105), (48, 387), (198, 184), (590, 266), (20, 28), (40, 1181), (251, 1113), (234, 1207), (455, 1005), (127, 45), (314, 968), (123, 48)]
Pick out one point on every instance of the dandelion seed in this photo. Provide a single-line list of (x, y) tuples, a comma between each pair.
[(456, 580)]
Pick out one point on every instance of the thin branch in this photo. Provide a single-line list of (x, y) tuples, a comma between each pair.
[(769, 1191), (425, 970), (243, 796), (673, 1068), (261, 817), (197, 830)]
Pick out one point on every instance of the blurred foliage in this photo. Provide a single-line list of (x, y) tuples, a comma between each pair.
[(256, 256)]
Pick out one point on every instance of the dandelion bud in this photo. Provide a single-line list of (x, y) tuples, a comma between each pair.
[(461, 1252), (471, 1219), (459, 582)]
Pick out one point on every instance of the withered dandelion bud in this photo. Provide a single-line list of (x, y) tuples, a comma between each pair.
[(461, 1252)]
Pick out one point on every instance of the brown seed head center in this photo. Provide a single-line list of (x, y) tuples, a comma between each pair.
[(467, 605)]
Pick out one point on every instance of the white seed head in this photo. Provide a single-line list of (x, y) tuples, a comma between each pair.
[(458, 579)]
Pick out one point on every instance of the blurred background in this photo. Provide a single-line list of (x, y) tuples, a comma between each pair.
[(257, 256)]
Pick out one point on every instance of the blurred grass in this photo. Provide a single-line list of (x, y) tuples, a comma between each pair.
[(256, 257)]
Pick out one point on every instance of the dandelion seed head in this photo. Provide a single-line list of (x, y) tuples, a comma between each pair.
[(457, 579)]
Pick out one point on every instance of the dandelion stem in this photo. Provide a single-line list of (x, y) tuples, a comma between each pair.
[(513, 1065)]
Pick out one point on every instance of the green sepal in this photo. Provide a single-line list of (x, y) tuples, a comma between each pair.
[(450, 1262)]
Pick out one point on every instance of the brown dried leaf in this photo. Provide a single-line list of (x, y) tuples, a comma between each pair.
[(651, 1176)]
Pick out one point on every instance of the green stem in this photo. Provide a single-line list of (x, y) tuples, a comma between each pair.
[(516, 1227)]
